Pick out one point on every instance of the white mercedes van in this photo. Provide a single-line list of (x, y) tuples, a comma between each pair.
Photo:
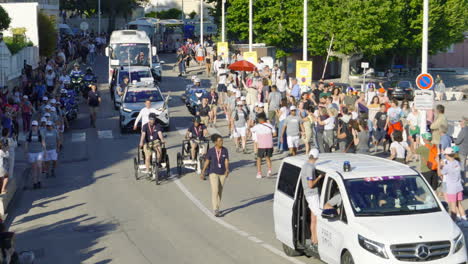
[(388, 214)]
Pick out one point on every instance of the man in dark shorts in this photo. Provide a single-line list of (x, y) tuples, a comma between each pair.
[(204, 111), (94, 100), (380, 123), (264, 133), (151, 139)]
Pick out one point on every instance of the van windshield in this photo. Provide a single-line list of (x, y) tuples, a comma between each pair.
[(131, 54), (390, 195), (142, 96)]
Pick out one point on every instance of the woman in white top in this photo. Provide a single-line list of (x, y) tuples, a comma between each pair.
[(399, 150), (282, 84), (370, 93), (3, 172), (329, 129), (413, 120), (282, 113), (336, 95)]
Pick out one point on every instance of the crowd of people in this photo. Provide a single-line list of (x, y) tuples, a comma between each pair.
[(276, 113)]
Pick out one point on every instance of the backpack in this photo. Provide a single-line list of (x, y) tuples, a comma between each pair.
[(236, 117), (30, 137), (431, 161)]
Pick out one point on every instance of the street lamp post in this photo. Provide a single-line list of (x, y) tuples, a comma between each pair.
[(222, 20), (201, 22), (250, 25), (304, 40), (99, 17), (425, 36)]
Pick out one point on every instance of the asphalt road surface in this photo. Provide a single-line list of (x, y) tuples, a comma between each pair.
[(95, 211)]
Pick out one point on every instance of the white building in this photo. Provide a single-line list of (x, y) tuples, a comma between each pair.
[(49, 7), (23, 15)]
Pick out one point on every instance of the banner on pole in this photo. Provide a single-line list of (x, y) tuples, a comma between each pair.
[(223, 50), (250, 56), (304, 73)]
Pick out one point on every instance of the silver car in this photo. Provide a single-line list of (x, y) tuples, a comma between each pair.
[(137, 74), (133, 101)]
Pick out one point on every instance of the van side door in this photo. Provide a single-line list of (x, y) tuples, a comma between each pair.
[(283, 203), (331, 232)]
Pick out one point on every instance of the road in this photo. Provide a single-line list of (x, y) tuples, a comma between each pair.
[(96, 212)]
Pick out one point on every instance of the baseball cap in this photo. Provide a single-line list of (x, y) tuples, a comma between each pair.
[(49, 123), (52, 109), (381, 90), (45, 98), (243, 98), (427, 136), (449, 151), (261, 104), (194, 77), (314, 153), (43, 119), (196, 80), (292, 108), (34, 123), (47, 114), (240, 103), (25, 96), (53, 101), (47, 107)]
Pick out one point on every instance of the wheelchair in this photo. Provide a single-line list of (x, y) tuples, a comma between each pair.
[(184, 159), (155, 166)]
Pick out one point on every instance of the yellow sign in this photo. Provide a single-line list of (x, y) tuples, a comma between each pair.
[(223, 50), (250, 56), (304, 72)]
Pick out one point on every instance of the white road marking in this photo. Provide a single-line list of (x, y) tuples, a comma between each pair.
[(105, 134), (210, 215), (79, 137), (182, 130)]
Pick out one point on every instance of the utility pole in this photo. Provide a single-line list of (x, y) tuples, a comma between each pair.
[(250, 25), (222, 20), (425, 36), (304, 40), (201, 23), (99, 17)]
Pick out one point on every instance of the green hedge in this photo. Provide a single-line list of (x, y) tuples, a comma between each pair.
[(16, 44)]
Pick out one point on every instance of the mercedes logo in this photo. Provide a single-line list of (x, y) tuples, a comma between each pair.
[(422, 251)]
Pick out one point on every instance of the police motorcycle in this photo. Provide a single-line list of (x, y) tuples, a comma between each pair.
[(76, 79), (68, 101), (194, 97), (88, 79)]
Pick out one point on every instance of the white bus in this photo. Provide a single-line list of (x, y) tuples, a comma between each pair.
[(169, 31), (129, 48), (147, 24)]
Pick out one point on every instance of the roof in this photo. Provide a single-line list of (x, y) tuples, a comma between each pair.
[(135, 68), (361, 165), (129, 36)]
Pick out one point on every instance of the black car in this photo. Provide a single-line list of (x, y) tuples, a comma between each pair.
[(401, 90)]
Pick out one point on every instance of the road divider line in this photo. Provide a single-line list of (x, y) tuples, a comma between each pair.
[(78, 137), (210, 215)]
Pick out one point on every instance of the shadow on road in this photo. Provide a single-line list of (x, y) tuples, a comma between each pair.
[(249, 202)]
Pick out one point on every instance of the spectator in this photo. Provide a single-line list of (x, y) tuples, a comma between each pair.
[(293, 126), (295, 89), (282, 113), (399, 150), (239, 124), (428, 165), (274, 101), (264, 133), (35, 147), (3, 169), (440, 124), (462, 142), (361, 137), (380, 125)]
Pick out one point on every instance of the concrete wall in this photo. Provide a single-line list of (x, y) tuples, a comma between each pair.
[(456, 57), (23, 15)]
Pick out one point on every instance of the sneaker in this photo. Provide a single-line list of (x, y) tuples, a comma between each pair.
[(145, 171), (217, 213), (269, 173), (259, 175)]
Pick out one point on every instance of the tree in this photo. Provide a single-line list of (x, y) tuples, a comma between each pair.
[(192, 15), (4, 19), (359, 28), (172, 13), (47, 35)]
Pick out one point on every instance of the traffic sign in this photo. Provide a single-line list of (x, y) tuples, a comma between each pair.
[(364, 65), (424, 81), (423, 100), (84, 26)]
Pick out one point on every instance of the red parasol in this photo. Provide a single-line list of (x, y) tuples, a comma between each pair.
[(242, 65)]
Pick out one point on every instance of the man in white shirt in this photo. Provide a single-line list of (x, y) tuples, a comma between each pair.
[(92, 53), (222, 88), (144, 114), (217, 64), (275, 74)]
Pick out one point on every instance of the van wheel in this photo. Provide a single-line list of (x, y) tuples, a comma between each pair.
[(291, 252), (346, 258)]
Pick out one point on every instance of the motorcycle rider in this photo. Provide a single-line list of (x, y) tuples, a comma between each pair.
[(196, 132), (151, 139), (76, 71), (76, 74), (88, 79)]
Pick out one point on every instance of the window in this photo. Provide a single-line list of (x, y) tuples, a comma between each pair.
[(288, 179), (333, 192)]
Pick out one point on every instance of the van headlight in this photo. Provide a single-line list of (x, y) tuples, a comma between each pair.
[(127, 110), (373, 247), (458, 243)]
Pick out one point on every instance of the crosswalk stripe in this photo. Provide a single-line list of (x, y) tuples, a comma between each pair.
[(78, 137), (105, 134)]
